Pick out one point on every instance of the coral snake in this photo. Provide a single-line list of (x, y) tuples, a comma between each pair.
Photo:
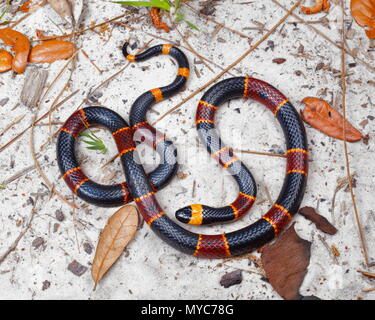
[(141, 188)]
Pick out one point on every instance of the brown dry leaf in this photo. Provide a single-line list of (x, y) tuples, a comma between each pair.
[(5, 61), (363, 11), (20, 46), (321, 222), (51, 50), (320, 115), (118, 232), (285, 263)]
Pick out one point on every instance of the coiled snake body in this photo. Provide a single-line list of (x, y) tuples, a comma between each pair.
[(141, 188)]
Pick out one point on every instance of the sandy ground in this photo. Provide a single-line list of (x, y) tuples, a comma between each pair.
[(150, 269)]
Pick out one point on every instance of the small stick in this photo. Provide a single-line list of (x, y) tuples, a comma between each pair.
[(347, 163), (366, 273), (368, 290), (261, 153), (10, 125), (92, 62)]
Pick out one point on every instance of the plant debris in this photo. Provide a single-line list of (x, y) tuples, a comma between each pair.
[(119, 231), (317, 7), (51, 51), (285, 263), (321, 222), (33, 86), (279, 60), (76, 268), (20, 45), (363, 12), (320, 115), (5, 61), (231, 278), (156, 20)]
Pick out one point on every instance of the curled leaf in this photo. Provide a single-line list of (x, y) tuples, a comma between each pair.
[(21, 48), (285, 263), (320, 115), (118, 232), (317, 7), (363, 11), (5, 61), (156, 20), (50, 51), (25, 7)]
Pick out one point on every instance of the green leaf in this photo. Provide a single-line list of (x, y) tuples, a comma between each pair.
[(2, 186), (157, 4), (5, 11), (179, 17), (94, 143), (177, 4), (191, 25)]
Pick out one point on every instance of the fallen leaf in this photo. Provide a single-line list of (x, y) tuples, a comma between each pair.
[(317, 7), (118, 232), (279, 60), (51, 50), (285, 263), (231, 278), (20, 46), (5, 61), (76, 268), (320, 115), (25, 7), (363, 11), (321, 222)]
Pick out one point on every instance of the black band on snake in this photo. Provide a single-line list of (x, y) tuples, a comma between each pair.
[(142, 191)]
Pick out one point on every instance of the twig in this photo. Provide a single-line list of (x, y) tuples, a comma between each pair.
[(261, 153), (20, 236), (92, 62), (244, 55), (347, 164), (368, 290), (10, 125), (368, 274)]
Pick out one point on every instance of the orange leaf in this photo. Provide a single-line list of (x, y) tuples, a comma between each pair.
[(50, 51), (5, 61), (363, 11), (118, 232), (317, 7), (25, 7), (320, 115), (21, 48)]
